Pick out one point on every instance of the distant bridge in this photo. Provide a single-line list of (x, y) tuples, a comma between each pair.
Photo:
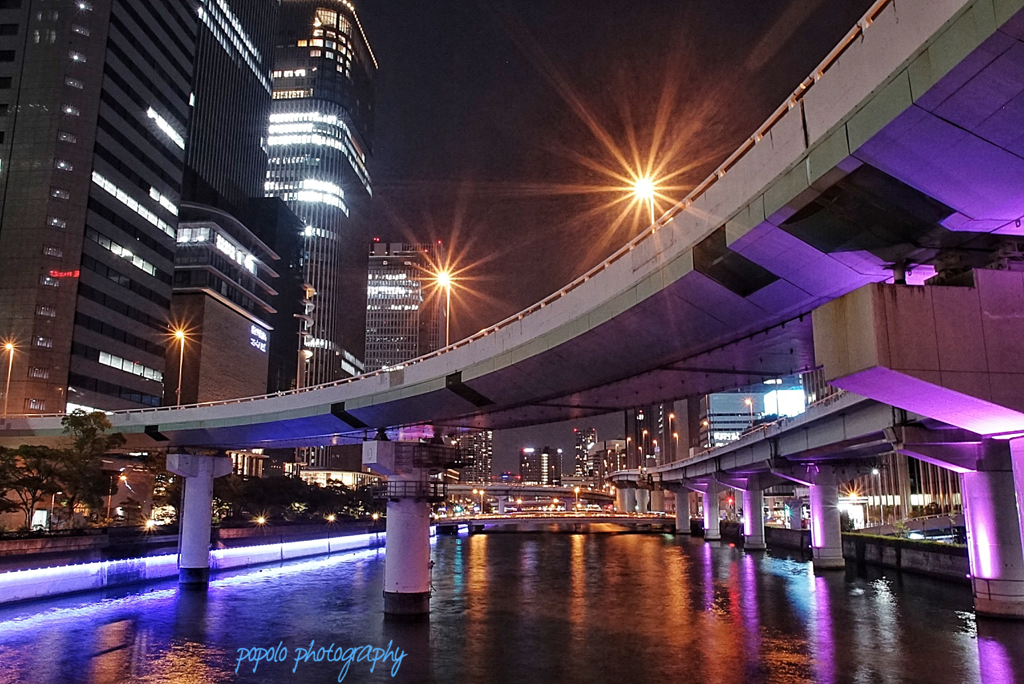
[(571, 523)]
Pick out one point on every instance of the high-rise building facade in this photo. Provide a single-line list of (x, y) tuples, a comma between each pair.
[(319, 140), (226, 157), (222, 269), (585, 438), (222, 289), (529, 466), (404, 312), (477, 445), (94, 107)]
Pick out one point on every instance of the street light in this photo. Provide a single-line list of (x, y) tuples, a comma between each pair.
[(9, 348), (110, 492), (52, 498), (180, 336), (881, 511), (750, 405), (577, 491), (644, 190), (444, 280)]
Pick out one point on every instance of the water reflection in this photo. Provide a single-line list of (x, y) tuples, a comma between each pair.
[(532, 608)]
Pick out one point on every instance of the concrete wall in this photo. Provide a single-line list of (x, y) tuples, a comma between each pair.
[(906, 555), (923, 558)]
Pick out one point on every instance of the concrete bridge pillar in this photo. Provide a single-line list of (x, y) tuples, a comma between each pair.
[(682, 511), (826, 528), (620, 499), (629, 502), (407, 466), (753, 516), (198, 473), (502, 501), (407, 558), (657, 501), (643, 499), (992, 496), (712, 514)]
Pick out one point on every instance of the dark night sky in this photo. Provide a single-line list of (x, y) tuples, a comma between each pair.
[(481, 137)]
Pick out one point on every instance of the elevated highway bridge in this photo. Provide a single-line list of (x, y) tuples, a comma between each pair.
[(903, 147), (897, 160)]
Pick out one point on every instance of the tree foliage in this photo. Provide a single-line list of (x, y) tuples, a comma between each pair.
[(80, 463)]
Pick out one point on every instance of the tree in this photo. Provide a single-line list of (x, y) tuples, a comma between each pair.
[(80, 468), (8, 471), (35, 476)]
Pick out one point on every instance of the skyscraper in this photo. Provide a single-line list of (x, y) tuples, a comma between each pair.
[(226, 158), (585, 439), (404, 318), (319, 139), (479, 446), (94, 103), (223, 269)]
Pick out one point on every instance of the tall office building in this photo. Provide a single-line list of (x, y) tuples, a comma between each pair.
[(226, 158), (404, 312), (477, 445), (319, 139), (223, 269), (585, 439), (94, 103), (529, 466)]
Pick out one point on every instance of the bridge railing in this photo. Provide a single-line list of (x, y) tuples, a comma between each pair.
[(791, 102)]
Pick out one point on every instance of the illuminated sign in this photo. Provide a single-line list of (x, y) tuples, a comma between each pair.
[(64, 274), (258, 338)]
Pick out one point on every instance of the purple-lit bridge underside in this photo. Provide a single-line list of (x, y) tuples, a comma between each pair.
[(909, 145)]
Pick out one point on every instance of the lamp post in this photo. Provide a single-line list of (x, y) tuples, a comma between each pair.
[(179, 335), (881, 512), (577, 491), (110, 492), (750, 405), (9, 348), (52, 499), (444, 280)]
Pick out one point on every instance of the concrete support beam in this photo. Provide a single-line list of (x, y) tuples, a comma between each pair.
[(629, 500), (682, 512), (643, 500), (620, 499), (502, 501), (712, 529), (991, 497), (657, 501), (753, 516), (826, 529), (197, 513), (407, 558), (905, 346)]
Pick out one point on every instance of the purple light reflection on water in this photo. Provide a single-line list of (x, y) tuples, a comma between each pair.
[(823, 643), (522, 608)]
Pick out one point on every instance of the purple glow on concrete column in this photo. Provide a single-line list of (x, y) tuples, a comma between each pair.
[(980, 519)]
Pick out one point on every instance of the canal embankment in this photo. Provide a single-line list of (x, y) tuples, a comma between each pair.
[(53, 566), (920, 557)]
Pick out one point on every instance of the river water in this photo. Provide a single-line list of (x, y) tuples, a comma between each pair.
[(528, 608)]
